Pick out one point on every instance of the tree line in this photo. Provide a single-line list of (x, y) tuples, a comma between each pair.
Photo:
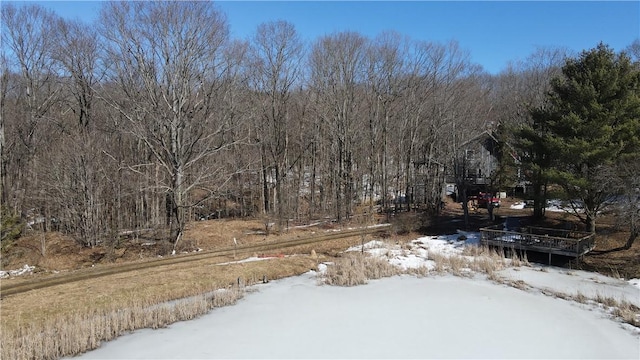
[(154, 116)]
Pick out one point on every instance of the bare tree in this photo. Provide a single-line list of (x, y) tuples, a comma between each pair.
[(385, 59), (423, 127), (629, 185), (633, 51), (277, 56), (26, 33), (4, 89), (75, 184), (461, 103), (167, 58), (336, 71), (78, 51)]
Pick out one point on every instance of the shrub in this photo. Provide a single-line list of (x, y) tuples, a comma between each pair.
[(81, 332), (628, 313), (356, 269), (10, 228)]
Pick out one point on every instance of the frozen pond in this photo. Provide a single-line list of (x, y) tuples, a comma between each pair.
[(400, 317)]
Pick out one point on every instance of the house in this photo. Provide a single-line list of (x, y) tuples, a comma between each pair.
[(479, 160), (480, 163)]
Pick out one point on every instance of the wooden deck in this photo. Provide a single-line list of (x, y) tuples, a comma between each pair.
[(551, 241)]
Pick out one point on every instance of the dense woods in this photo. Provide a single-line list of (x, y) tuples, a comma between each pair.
[(154, 116)]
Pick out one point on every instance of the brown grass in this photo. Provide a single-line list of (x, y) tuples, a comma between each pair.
[(486, 265), (421, 271), (484, 259), (81, 332), (62, 253), (33, 324), (518, 284), (581, 298), (628, 313), (457, 265), (351, 269), (440, 261), (622, 309), (606, 300), (79, 304), (210, 234), (356, 268), (105, 309)]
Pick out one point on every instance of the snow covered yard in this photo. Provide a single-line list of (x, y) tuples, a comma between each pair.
[(512, 312)]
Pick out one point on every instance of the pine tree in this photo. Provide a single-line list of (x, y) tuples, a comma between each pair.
[(10, 228), (535, 160), (592, 121)]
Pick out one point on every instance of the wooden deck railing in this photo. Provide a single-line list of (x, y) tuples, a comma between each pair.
[(552, 241)]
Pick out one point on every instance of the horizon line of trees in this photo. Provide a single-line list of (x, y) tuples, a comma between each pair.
[(154, 116)]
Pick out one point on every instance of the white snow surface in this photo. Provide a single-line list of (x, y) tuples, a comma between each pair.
[(437, 316), (554, 205), (25, 270), (517, 205)]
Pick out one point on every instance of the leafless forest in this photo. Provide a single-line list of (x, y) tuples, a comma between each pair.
[(154, 116)]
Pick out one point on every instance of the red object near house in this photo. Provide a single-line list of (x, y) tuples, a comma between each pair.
[(484, 199)]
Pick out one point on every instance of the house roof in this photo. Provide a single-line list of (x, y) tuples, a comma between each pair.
[(483, 134)]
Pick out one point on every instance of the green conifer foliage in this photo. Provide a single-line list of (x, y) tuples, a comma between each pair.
[(590, 123), (10, 228)]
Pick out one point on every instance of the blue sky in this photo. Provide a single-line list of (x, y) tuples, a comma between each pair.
[(494, 32)]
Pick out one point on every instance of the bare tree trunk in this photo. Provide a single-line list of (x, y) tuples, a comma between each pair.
[(634, 230), (465, 205), (4, 87), (490, 209), (590, 222), (173, 83), (539, 200)]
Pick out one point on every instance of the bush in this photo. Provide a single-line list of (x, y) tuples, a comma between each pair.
[(10, 228), (404, 223), (356, 269)]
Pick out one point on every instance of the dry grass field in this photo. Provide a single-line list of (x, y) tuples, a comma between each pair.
[(132, 299), (55, 316)]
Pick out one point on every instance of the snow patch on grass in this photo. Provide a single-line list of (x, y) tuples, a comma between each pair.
[(25, 270)]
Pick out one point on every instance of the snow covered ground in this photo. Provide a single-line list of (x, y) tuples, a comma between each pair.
[(554, 205), (25, 270), (437, 316)]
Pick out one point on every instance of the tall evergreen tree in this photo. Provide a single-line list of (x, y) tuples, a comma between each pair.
[(536, 159), (591, 122)]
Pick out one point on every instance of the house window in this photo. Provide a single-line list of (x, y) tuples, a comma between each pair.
[(470, 155)]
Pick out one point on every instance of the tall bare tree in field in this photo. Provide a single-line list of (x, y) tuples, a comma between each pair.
[(386, 56), (337, 70), (4, 89), (277, 57), (167, 60), (77, 182), (26, 36), (78, 50), (423, 125), (460, 104)]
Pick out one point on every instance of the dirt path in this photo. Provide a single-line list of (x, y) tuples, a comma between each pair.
[(218, 254)]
